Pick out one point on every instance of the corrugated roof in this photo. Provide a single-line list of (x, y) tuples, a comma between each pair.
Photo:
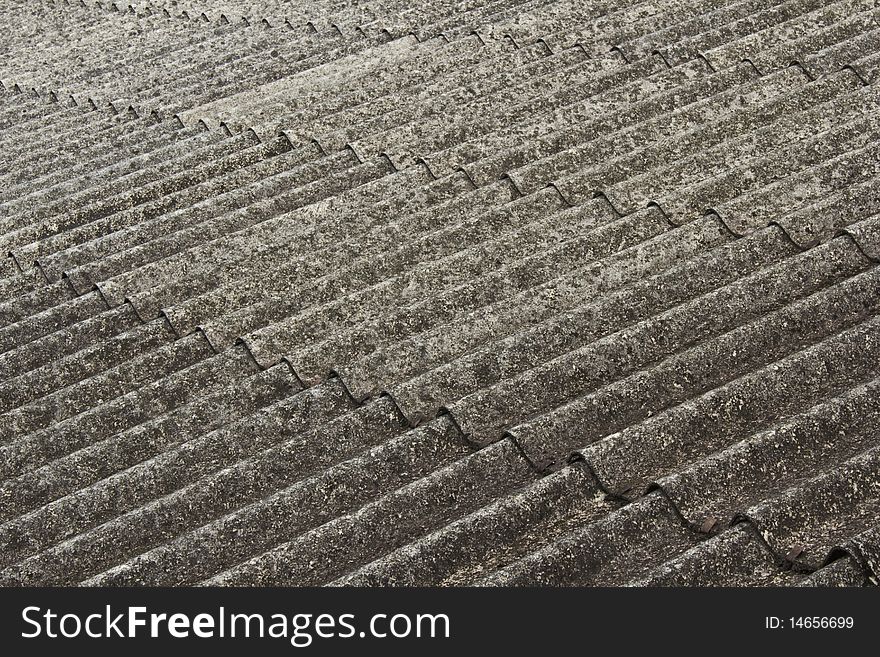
[(510, 293)]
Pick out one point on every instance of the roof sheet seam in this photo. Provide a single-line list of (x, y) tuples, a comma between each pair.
[(851, 550)]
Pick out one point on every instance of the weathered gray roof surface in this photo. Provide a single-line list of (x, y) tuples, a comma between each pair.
[(482, 292)]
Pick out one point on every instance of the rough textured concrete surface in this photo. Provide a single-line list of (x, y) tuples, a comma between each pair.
[(484, 292)]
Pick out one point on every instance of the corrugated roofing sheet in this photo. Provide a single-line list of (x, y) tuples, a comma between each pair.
[(508, 293)]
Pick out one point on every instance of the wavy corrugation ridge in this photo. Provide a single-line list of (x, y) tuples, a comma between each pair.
[(502, 293)]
